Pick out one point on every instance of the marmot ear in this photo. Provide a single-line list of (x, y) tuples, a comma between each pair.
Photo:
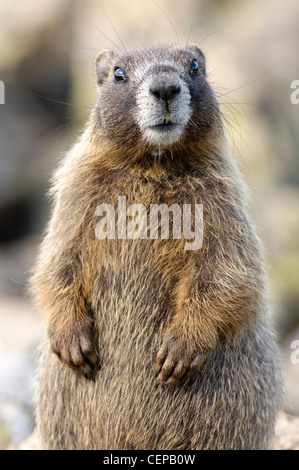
[(198, 55), (102, 65)]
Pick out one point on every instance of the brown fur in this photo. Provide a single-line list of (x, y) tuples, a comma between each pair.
[(176, 342)]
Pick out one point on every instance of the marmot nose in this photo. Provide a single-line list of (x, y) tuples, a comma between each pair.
[(165, 93)]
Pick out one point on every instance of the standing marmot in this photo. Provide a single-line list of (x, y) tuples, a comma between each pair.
[(176, 341)]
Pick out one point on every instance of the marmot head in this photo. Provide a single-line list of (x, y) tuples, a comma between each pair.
[(156, 100)]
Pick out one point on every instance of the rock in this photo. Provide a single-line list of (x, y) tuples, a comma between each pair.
[(17, 374), (287, 433)]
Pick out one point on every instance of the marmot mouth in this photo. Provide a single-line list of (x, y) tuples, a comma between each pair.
[(163, 126), (163, 134)]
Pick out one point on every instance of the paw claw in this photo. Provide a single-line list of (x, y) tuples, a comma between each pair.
[(177, 360), (77, 350)]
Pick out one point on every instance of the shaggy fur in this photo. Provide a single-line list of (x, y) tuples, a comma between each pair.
[(156, 347)]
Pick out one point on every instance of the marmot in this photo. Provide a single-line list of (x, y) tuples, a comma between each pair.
[(156, 346)]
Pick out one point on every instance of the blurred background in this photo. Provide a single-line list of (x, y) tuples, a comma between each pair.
[(47, 50)]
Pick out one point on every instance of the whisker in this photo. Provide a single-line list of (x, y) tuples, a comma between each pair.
[(164, 154), (193, 123), (66, 125), (245, 84), (110, 40), (232, 110), (190, 31), (87, 49), (169, 20), (232, 130), (58, 101), (232, 106), (213, 32), (115, 31)]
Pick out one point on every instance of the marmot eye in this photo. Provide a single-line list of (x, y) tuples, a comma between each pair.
[(194, 67), (119, 74)]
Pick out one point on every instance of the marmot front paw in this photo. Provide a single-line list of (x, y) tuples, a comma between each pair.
[(178, 359), (76, 348)]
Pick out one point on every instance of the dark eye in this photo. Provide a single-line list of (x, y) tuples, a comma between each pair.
[(119, 75), (194, 67)]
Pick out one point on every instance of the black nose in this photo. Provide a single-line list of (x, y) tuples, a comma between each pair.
[(165, 93)]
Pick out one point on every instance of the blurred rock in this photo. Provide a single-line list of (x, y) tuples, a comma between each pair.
[(17, 372), (20, 330), (30, 443), (290, 356), (287, 433)]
